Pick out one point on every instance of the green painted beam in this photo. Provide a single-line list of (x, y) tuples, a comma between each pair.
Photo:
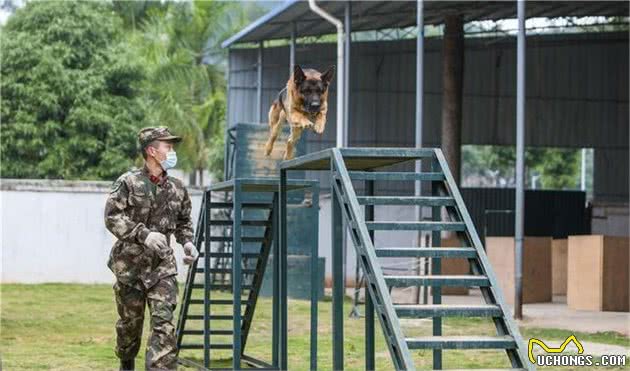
[(394, 175), (416, 226), (245, 223), (406, 200), (437, 281), (447, 310), (427, 252), (461, 342)]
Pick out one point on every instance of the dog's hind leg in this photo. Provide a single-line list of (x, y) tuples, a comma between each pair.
[(276, 119), (294, 137)]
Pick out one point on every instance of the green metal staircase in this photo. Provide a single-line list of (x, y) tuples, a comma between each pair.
[(194, 329), (348, 165)]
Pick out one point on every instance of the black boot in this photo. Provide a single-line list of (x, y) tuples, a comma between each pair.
[(127, 365)]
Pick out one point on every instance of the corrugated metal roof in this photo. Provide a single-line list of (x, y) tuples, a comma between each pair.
[(376, 15)]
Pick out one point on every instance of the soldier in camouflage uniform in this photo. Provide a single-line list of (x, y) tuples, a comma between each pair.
[(144, 209)]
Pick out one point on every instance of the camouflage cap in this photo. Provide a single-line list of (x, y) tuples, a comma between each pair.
[(148, 135)]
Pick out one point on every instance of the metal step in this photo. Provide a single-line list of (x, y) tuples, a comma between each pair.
[(249, 205), (226, 270), (245, 223), (406, 200), (445, 280), (447, 310), (212, 332), (200, 346), (461, 342), (394, 175), (245, 255), (229, 239), (220, 287), (427, 252), (417, 226), (213, 317), (217, 301)]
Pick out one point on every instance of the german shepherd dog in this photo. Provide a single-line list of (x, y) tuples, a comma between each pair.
[(303, 103)]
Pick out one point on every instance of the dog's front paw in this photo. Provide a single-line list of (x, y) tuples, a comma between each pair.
[(307, 125), (319, 129)]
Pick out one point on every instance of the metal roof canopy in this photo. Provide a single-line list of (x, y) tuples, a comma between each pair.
[(376, 15)]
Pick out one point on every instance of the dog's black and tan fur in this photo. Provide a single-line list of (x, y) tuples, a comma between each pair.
[(303, 103)]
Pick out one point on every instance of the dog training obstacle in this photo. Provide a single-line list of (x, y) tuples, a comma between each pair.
[(238, 230), (346, 165)]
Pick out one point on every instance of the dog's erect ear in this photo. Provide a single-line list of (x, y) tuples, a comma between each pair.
[(328, 75), (298, 75)]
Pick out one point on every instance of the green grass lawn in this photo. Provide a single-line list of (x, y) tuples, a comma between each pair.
[(71, 327)]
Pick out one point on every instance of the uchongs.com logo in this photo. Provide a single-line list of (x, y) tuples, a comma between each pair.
[(554, 356)]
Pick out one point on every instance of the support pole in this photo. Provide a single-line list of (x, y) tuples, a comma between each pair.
[(259, 70), (236, 277), (314, 281), (206, 280), (369, 306), (284, 332), (337, 275), (275, 319), (340, 68), (419, 79), (436, 267), (583, 170), (520, 161), (419, 111), (346, 72), (292, 47)]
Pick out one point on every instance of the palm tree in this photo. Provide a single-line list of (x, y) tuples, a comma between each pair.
[(186, 78)]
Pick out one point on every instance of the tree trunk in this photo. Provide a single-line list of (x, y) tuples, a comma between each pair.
[(452, 81)]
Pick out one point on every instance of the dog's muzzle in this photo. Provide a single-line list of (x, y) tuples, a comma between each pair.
[(313, 107)]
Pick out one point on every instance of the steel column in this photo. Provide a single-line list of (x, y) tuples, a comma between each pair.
[(369, 306), (314, 283), (275, 319), (236, 275), (346, 72), (337, 276), (206, 280), (284, 362), (520, 161), (259, 70), (436, 267), (292, 47)]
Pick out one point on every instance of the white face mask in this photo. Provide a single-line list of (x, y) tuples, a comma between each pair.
[(170, 161)]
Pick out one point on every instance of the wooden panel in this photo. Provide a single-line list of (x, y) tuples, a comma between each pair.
[(584, 273), (454, 267), (536, 267), (615, 276), (559, 267)]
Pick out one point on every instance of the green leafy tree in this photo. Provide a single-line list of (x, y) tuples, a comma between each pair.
[(186, 84), (557, 168), (70, 93)]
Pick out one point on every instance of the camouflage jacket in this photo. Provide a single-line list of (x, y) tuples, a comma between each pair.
[(135, 207)]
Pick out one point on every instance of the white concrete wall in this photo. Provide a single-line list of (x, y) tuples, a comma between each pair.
[(53, 231)]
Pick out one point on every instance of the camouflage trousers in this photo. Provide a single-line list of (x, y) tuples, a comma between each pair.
[(161, 352)]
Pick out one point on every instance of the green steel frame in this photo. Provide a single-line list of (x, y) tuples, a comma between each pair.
[(242, 189), (348, 164)]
